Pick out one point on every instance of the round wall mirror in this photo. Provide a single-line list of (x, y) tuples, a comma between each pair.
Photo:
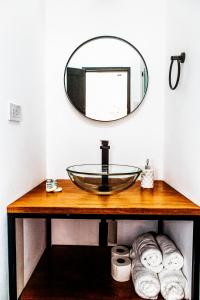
[(106, 78)]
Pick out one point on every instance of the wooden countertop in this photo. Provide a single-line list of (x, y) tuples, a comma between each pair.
[(162, 200)]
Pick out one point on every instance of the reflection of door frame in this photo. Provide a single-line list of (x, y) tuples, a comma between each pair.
[(76, 88), (115, 69)]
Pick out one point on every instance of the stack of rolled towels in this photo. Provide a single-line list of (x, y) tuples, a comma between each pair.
[(156, 267)]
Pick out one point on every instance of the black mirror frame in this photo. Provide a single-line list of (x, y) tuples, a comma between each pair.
[(103, 37)]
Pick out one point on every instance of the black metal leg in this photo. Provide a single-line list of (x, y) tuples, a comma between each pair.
[(48, 233), (12, 257), (196, 260), (103, 233), (160, 226)]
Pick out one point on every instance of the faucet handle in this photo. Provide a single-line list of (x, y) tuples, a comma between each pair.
[(104, 144)]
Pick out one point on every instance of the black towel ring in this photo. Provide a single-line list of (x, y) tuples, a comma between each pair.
[(180, 59)]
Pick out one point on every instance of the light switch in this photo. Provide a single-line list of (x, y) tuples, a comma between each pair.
[(15, 112)]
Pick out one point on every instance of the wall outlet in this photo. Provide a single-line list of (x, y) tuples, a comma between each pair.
[(15, 112)]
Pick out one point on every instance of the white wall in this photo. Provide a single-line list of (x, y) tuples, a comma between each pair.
[(184, 242), (182, 142), (73, 139), (128, 230), (22, 150)]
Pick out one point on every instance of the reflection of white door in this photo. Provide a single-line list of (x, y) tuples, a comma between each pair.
[(106, 95)]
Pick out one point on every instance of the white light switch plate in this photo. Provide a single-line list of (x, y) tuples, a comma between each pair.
[(15, 112)]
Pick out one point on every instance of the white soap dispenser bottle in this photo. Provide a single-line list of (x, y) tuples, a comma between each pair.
[(147, 177)]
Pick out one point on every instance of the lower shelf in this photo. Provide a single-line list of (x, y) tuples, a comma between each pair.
[(76, 273)]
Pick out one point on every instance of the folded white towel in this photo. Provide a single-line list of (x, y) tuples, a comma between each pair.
[(172, 258), (145, 247), (173, 284), (145, 281)]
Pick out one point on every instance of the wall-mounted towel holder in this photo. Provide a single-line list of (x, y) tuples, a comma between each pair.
[(180, 59)]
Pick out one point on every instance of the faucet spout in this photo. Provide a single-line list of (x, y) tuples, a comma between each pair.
[(105, 152)]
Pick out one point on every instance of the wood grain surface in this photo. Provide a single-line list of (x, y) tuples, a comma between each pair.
[(162, 200)]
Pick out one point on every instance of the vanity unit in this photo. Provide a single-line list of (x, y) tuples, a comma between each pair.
[(83, 272)]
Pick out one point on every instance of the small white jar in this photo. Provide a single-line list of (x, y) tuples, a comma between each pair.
[(147, 177)]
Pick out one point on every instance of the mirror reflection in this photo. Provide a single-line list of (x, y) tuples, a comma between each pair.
[(106, 78)]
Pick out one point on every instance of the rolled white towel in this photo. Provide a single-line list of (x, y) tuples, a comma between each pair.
[(145, 281), (172, 258), (173, 284), (146, 248)]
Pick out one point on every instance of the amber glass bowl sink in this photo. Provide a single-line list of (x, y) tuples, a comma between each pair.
[(103, 179)]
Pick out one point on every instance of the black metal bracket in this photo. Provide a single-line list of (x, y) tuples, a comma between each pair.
[(12, 263), (180, 59), (195, 260), (103, 233)]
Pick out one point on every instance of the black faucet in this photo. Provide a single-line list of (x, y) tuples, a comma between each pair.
[(105, 153), (104, 187)]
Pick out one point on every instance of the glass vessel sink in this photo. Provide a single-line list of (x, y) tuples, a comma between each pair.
[(103, 179)]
